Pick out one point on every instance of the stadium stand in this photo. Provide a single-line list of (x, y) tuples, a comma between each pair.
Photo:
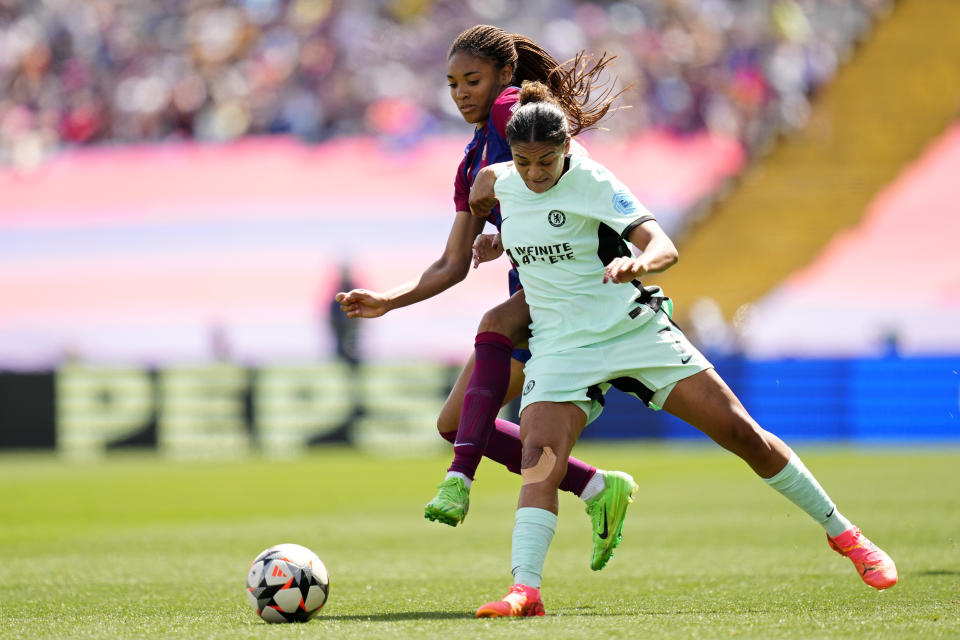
[(75, 72), (891, 283), (114, 77), (899, 93), (201, 273)]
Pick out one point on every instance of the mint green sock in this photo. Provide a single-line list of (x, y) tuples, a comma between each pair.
[(532, 533), (799, 486)]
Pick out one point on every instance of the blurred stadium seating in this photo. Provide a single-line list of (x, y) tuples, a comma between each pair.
[(87, 72), (183, 183), (891, 283), (879, 138)]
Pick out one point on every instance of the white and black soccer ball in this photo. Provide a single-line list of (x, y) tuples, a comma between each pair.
[(287, 583)]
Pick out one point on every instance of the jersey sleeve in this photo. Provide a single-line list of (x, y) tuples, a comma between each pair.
[(615, 205), (461, 188), (501, 169), (503, 107)]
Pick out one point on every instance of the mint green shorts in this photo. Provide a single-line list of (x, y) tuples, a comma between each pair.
[(647, 363)]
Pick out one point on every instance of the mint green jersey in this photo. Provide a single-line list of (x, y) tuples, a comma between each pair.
[(560, 241)]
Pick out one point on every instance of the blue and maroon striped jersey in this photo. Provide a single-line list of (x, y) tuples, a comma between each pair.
[(489, 146)]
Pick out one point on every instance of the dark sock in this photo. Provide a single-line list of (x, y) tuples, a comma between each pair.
[(482, 400), (481, 433)]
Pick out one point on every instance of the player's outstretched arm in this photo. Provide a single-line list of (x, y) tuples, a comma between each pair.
[(449, 269), (659, 254)]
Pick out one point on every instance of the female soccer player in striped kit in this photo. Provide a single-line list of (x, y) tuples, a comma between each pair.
[(484, 65), (566, 220)]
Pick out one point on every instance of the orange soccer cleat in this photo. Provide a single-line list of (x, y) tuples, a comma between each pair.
[(873, 564), (521, 600)]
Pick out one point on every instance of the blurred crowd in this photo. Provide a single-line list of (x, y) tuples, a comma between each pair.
[(78, 72)]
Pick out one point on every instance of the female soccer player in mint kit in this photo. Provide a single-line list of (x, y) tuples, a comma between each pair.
[(484, 66), (566, 220)]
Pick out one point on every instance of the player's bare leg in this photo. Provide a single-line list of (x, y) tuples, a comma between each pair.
[(706, 402), (549, 431)]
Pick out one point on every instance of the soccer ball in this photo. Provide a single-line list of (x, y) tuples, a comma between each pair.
[(287, 583)]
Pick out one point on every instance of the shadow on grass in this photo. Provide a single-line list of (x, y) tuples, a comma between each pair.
[(469, 615), (626, 613), (403, 615), (939, 572)]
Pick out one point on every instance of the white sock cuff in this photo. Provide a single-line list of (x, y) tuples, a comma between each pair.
[(457, 474), (535, 515), (788, 474), (595, 485)]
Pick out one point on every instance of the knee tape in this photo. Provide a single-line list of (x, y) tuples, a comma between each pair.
[(540, 471)]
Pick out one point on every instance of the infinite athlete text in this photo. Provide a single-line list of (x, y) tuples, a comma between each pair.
[(551, 253)]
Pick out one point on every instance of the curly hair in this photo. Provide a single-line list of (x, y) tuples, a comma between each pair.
[(573, 83)]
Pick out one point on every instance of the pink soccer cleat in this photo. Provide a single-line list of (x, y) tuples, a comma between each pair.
[(873, 564), (520, 601)]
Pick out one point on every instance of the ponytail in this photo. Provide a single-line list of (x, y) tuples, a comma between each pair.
[(572, 83)]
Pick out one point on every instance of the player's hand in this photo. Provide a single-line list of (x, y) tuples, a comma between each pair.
[(486, 247), (482, 197), (624, 270), (360, 303)]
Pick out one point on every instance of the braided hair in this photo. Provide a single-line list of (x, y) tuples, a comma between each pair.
[(572, 83)]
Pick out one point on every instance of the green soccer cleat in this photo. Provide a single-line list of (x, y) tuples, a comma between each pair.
[(607, 511), (451, 503)]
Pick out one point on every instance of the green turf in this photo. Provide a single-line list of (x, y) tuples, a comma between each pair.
[(141, 547)]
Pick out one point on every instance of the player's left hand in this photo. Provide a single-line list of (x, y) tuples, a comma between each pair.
[(486, 247), (624, 270)]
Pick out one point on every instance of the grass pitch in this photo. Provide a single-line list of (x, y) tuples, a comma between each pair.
[(142, 547)]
